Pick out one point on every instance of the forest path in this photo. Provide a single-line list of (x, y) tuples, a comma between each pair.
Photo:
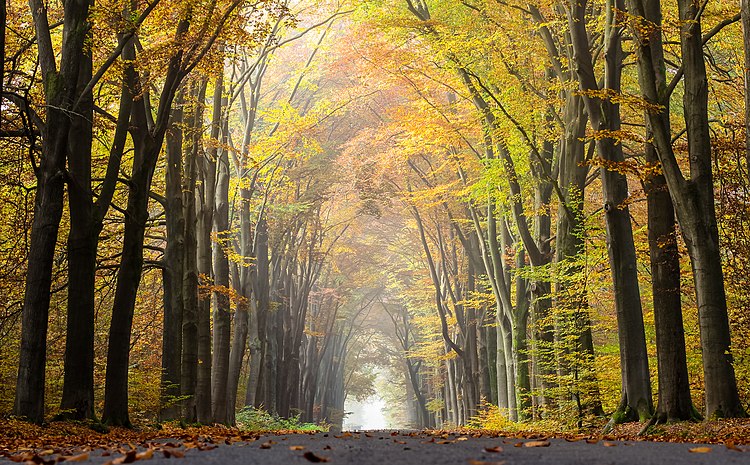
[(397, 448)]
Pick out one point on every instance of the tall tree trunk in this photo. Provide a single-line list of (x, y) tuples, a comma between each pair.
[(60, 95), (173, 271), (87, 219), (693, 198), (128, 280), (674, 403), (745, 16), (190, 339), (520, 344), (221, 315), (78, 382), (147, 144), (236, 356), (700, 229), (604, 114), (205, 198), (260, 285)]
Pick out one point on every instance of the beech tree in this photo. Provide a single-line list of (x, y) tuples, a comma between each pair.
[(469, 209)]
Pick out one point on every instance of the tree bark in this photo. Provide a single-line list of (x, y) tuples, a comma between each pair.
[(59, 95), (78, 382), (693, 198), (604, 114), (147, 144), (87, 219), (190, 331), (221, 315), (204, 195), (173, 271), (745, 17)]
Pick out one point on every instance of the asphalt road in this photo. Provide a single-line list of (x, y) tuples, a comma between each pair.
[(390, 448)]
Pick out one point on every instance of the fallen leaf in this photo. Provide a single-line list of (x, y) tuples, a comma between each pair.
[(609, 444), (129, 457), (145, 455), (462, 438), (296, 447), (536, 444), (700, 450), (493, 449), (591, 441), (399, 442), (482, 462), (731, 446), (314, 457), (78, 458), (266, 445), (170, 452)]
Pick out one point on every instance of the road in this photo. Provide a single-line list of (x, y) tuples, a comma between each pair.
[(392, 448)]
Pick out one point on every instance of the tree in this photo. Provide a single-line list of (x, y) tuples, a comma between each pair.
[(693, 197), (60, 93)]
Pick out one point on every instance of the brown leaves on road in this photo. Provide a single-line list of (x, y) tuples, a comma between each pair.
[(493, 449), (700, 450), (311, 456), (57, 442), (171, 452), (732, 446)]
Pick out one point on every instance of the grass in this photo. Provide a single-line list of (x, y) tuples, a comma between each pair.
[(253, 419)]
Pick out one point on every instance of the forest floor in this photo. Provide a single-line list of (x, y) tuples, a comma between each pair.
[(700, 443)]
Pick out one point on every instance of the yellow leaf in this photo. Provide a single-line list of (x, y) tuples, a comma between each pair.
[(536, 444)]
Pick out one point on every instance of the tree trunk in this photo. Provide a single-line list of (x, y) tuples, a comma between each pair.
[(693, 198), (605, 116), (236, 356), (205, 195), (745, 16), (260, 285), (520, 344), (173, 271), (190, 339), (674, 402), (128, 279), (701, 232), (87, 219), (78, 383), (221, 315), (60, 95)]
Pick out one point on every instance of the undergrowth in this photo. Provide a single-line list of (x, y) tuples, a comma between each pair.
[(254, 419)]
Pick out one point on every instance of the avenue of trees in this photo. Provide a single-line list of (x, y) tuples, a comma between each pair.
[(525, 210)]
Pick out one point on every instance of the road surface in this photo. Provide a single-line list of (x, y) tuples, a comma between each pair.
[(392, 448)]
